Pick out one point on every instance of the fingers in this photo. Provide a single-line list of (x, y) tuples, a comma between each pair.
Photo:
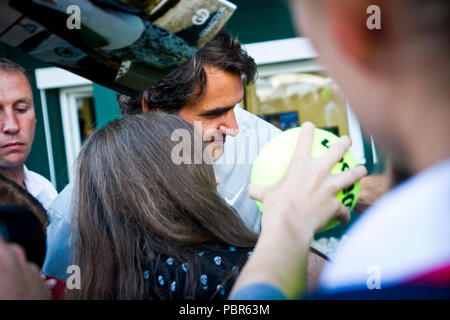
[(257, 192), (342, 214), (19, 279), (12, 253), (34, 269), (18, 253), (347, 178), (305, 141), (336, 152), (217, 179)]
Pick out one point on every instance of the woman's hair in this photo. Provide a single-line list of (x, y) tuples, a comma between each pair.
[(12, 193), (135, 204), (188, 80)]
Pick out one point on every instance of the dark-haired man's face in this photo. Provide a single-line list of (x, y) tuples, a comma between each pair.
[(215, 109), (17, 119)]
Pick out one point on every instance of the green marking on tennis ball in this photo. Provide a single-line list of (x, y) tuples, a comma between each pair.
[(273, 161)]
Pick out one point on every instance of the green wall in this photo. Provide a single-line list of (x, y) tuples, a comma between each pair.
[(56, 131), (261, 20), (106, 106)]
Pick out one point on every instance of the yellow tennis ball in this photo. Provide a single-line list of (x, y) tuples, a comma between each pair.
[(273, 161)]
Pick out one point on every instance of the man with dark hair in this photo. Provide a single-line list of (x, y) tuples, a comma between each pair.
[(181, 86), (17, 126), (19, 278), (206, 90)]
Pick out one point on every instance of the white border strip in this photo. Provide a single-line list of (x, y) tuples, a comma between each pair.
[(56, 78), (229, 4), (285, 50), (289, 67), (354, 128)]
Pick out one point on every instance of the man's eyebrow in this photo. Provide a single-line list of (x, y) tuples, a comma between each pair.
[(216, 112), (23, 100)]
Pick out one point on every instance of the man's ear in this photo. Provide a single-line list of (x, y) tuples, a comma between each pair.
[(145, 108), (348, 28)]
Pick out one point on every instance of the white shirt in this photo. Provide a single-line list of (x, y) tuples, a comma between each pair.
[(404, 234), (39, 187), (235, 166)]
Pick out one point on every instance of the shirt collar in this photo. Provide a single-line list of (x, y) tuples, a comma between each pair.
[(32, 186)]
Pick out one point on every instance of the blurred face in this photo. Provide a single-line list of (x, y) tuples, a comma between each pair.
[(17, 119), (338, 44), (215, 109)]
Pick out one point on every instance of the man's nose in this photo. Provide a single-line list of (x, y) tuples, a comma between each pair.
[(229, 125), (10, 123)]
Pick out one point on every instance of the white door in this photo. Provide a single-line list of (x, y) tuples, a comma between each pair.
[(77, 110)]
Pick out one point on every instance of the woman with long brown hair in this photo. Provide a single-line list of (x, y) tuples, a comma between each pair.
[(147, 228)]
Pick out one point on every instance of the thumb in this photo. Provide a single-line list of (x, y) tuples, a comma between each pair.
[(257, 192)]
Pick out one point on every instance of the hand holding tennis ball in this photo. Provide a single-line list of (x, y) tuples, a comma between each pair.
[(273, 161)]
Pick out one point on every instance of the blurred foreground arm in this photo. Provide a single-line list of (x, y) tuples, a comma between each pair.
[(303, 202), (19, 279)]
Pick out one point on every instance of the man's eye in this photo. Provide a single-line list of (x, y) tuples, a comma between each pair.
[(211, 116), (22, 109)]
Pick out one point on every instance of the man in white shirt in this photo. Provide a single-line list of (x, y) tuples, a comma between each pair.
[(17, 127)]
